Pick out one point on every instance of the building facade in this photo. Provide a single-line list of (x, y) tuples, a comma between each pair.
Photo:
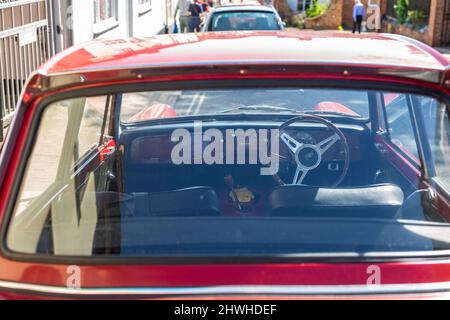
[(424, 20), (83, 20), (31, 31)]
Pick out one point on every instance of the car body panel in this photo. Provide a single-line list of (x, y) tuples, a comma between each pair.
[(247, 47), (215, 279), (106, 63)]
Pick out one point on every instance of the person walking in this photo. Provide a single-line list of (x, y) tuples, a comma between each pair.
[(359, 14), (195, 13), (183, 10)]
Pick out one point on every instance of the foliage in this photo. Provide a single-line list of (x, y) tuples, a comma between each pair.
[(298, 21), (401, 9), (415, 17), (316, 9)]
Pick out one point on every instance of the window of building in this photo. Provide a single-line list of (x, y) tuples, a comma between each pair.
[(105, 15), (144, 6)]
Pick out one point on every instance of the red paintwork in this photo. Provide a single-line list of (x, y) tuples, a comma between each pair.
[(156, 111), (335, 106), (233, 48), (227, 274), (371, 49)]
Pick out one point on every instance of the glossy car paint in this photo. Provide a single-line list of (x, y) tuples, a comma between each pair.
[(247, 47), (244, 7), (94, 68)]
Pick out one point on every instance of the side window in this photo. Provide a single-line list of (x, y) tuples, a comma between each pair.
[(91, 125), (43, 163), (400, 125), (437, 125), (67, 130)]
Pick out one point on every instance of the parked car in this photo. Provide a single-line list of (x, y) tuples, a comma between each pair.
[(247, 16), (267, 165)]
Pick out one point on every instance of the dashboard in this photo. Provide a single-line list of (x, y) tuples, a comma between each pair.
[(159, 148)]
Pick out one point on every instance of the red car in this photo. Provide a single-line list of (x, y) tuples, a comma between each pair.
[(248, 164)]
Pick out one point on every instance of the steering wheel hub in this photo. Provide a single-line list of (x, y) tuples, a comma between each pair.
[(308, 157)]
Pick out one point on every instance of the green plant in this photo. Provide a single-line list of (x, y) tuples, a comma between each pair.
[(401, 10), (415, 17), (298, 21), (316, 9)]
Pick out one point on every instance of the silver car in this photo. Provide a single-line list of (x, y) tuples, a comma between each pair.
[(238, 17)]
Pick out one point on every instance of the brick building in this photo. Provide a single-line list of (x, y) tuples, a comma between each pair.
[(433, 30), (436, 28)]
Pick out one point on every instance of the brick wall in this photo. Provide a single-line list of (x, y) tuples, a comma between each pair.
[(434, 35), (331, 19), (436, 21), (341, 13)]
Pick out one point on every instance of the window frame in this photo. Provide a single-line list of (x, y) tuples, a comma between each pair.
[(102, 26), (144, 6), (429, 158), (386, 132), (132, 87)]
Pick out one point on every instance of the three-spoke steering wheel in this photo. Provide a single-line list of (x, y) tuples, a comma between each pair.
[(308, 157)]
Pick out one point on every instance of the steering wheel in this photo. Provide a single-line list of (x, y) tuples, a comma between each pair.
[(309, 156)]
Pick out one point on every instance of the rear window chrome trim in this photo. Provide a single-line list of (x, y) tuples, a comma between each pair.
[(248, 290)]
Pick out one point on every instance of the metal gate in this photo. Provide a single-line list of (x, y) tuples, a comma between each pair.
[(446, 25), (25, 43)]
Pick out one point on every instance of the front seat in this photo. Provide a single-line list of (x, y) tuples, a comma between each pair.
[(375, 201)]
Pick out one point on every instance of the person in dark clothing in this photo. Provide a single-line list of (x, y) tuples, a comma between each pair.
[(358, 16), (204, 5), (195, 10)]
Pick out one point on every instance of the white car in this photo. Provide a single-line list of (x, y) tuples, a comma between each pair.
[(238, 17)]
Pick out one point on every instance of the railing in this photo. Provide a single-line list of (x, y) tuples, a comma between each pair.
[(24, 45)]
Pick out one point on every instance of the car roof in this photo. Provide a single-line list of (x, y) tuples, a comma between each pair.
[(371, 50), (242, 7)]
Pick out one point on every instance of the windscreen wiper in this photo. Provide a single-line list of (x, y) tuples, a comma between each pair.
[(282, 109), (259, 108), (331, 113)]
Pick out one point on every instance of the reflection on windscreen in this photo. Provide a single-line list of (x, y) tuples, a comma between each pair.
[(253, 20), (189, 102)]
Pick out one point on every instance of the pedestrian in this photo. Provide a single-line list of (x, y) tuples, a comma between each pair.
[(205, 9), (359, 14), (195, 14), (203, 4), (183, 10)]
